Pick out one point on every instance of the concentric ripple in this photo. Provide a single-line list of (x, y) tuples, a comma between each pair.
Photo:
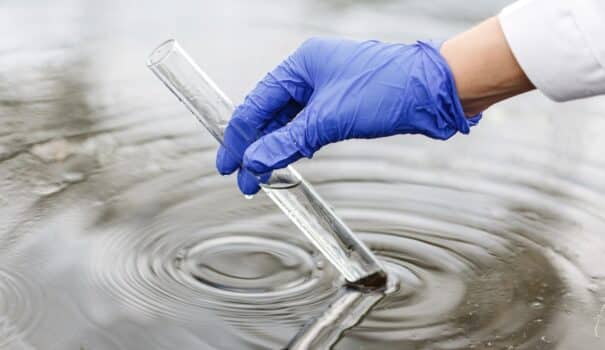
[(248, 265), (488, 264), (236, 270), (19, 310), (485, 265)]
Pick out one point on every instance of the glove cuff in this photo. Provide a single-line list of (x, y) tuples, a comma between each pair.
[(447, 98)]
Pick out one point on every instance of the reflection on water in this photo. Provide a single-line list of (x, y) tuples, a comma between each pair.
[(116, 232)]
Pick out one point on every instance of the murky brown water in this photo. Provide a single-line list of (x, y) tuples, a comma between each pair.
[(116, 232)]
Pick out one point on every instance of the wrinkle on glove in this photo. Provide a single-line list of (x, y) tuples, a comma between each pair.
[(331, 90)]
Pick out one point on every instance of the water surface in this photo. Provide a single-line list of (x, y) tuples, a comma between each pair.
[(117, 233)]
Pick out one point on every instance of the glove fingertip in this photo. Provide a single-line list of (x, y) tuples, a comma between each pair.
[(225, 163), (252, 159), (247, 182)]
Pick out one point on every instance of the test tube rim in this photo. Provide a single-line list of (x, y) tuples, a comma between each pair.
[(170, 45)]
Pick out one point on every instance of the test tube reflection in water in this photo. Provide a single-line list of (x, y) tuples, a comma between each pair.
[(286, 187)]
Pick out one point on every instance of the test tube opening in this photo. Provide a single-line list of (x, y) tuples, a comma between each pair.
[(161, 52)]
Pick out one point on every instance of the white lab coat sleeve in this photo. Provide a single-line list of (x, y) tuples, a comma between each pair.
[(559, 44)]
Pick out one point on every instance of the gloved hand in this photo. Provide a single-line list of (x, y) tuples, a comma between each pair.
[(330, 90)]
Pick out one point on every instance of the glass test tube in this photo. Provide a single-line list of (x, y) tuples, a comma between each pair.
[(286, 187)]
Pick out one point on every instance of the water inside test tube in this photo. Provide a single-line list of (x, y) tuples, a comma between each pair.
[(300, 204)]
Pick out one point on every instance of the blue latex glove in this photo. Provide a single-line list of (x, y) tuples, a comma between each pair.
[(330, 90)]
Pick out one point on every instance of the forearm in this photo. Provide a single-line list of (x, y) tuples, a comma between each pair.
[(484, 67)]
